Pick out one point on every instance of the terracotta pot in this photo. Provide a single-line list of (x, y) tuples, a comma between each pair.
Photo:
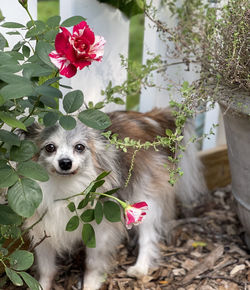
[(236, 115)]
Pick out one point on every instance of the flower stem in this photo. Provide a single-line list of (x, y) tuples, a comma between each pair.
[(122, 203)]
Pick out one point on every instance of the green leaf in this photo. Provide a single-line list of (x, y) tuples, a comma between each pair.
[(88, 236), (11, 121), (72, 224), (128, 7), (36, 70), (112, 211), (87, 216), (8, 216), (48, 91), (32, 170), (73, 101), (43, 49), (26, 51), (112, 191), (71, 206), (9, 137), (49, 102), (12, 25), (25, 151), (8, 177), (3, 42), (67, 122), (24, 197), (102, 175), (21, 260), (83, 202), (119, 101), (30, 281), (98, 212), (13, 78), (95, 119), (72, 21), (10, 68), (54, 21), (50, 35), (7, 59), (39, 28), (169, 132), (50, 118), (97, 184), (15, 91), (14, 277)]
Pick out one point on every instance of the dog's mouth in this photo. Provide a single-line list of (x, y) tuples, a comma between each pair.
[(62, 173)]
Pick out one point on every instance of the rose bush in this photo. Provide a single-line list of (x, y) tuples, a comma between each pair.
[(76, 50)]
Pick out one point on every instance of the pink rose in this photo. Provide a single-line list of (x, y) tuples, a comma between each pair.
[(135, 213), (76, 50)]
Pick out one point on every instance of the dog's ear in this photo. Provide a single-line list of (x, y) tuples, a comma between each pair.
[(32, 131)]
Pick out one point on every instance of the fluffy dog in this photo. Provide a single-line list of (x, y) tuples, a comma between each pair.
[(74, 158)]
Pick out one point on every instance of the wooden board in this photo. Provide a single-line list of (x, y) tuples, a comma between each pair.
[(216, 167)]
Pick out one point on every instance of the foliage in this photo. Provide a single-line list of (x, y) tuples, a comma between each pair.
[(84, 214), (29, 90), (128, 7), (216, 38)]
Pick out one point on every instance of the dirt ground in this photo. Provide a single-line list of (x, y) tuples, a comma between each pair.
[(207, 252)]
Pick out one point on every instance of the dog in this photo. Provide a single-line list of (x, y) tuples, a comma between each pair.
[(74, 158)]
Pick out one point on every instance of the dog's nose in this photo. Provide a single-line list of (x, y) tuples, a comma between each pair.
[(65, 164)]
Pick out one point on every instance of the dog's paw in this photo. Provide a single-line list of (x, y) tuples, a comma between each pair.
[(93, 280), (138, 271)]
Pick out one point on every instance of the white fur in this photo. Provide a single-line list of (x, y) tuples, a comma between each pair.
[(148, 187)]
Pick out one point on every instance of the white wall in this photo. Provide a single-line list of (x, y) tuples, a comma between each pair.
[(175, 74), (14, 12)]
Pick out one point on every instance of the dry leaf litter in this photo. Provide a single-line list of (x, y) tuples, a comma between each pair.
[(204, 251)]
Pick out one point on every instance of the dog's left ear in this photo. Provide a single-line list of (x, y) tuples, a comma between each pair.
[(32, 132)]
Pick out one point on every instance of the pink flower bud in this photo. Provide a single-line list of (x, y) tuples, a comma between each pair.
[(135, 213)]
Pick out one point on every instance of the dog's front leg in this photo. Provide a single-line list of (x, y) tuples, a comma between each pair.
[(100, 258), (46, 262)]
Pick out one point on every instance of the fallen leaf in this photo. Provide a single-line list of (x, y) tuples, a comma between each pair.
[(179, 271), (206, 264), (237, 269), (189, 264)]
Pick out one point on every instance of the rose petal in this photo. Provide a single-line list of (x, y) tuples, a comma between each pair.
[(142, 205), (65, 67), (82, 30)]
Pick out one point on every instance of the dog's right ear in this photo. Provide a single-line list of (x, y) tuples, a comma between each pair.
[(32, 132)]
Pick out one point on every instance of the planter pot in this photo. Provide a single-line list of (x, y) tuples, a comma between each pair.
[(236, 115)]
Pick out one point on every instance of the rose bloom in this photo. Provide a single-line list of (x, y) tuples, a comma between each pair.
[(135, 213), (76, 50)]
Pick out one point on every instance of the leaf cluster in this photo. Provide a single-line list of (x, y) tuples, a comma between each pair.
[(92, 208), (29, 91)]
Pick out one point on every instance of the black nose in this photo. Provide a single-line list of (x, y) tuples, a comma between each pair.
[(65, 164)]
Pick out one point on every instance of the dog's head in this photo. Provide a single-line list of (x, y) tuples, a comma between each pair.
[(63, 152)]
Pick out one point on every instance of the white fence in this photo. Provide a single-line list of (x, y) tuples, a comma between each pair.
[(114, 26)]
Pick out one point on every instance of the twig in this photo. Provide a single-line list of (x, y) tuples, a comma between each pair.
[(220, 277), (38, 243)]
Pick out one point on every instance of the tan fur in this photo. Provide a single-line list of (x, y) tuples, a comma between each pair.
[(149, 183)]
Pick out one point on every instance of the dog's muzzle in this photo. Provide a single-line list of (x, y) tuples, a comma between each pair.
[(65, 164)]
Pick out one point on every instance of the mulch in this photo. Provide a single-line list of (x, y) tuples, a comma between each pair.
[(207, 251)]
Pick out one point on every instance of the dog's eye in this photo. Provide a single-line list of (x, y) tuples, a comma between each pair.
[(79, 148), (50, 148)]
